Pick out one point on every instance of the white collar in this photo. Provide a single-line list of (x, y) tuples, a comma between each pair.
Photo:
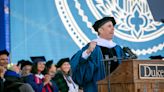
[(105, 43), (41, 76)]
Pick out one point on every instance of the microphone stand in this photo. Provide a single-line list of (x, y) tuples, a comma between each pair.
[(107, 61)]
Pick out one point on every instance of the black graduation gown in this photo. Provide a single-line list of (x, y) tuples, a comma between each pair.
[(110, 52)]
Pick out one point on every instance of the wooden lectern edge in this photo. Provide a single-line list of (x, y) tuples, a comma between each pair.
[(136, 61)]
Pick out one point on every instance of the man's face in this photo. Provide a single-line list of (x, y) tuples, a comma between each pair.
[(27, 68), (107, 31), (52, 70), (3, 60)]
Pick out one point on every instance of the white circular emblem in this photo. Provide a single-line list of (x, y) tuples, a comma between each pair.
[(134, 22)]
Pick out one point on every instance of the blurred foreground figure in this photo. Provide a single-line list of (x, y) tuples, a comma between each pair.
[(13, 81)]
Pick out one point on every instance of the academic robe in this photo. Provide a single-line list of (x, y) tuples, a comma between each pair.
[(1, 85), (55, 87), (39, 86), (14, 83), (60, 82), (36, 86), (86, 72), (110, 52)]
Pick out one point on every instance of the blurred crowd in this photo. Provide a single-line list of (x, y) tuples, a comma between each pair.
[(37, 75)]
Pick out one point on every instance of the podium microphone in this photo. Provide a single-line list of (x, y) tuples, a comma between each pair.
[(114, 58), (130, 53)]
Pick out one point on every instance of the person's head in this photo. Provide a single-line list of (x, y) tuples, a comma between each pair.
[(20, 62), (12, 71), (26, 67), (14, 68), (4, 58), (50, 68), (105, 27), (64, 65), (38, 64)]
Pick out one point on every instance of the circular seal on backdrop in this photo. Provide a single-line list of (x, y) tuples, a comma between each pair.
[(135, 27)]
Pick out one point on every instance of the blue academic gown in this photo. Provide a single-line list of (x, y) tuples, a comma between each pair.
[(55, 87), (86, 72), (38, 87), (31, 81)]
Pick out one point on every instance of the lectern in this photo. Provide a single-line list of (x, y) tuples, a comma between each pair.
[(135, 76)]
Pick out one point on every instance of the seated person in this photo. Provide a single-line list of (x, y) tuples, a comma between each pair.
[(37, 80), (4, 58), (2, 71), (13, 82), (51, 70), (25, 66), (63, 77)]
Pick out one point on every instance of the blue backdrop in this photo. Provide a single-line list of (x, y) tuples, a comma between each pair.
[(4, 25), (58, 28)]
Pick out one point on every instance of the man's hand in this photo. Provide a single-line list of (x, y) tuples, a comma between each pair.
[(91, 47)]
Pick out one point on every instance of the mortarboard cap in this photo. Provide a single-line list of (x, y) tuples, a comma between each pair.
[(61, 61), (37, 59), (20, 62), (156, 57), (23, 63), (27, 62), (4, 52), (102, 21), (49, 63)]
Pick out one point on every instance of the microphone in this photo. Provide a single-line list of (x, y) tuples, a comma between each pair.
[(114, 58), (130, 53)]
